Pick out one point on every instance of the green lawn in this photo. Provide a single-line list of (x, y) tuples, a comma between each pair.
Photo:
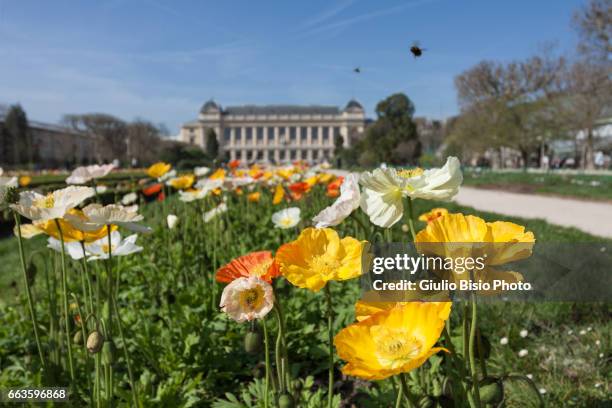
[(573, 185)]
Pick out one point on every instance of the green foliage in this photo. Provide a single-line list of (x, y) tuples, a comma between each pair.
[(18, 136), (393, 137), (212, 145)]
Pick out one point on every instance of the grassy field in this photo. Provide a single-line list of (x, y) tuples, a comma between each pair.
[(185, 351), (598, 187)]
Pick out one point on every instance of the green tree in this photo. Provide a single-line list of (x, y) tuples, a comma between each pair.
[(212, 145), (393, 137), (16, 127), (338, 150)]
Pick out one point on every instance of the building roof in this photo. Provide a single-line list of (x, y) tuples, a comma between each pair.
[(281, 110), (353, 104), (209, 106)]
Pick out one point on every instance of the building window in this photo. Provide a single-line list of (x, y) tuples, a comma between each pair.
[(293, 134), (336, 133), (304, 134), (249, 135), (293, 154), (260, 135), (227, 135), (325, 135), (260, 153), (238, 135), (315, 134), (315, 155), (191, 139), (281, 155), (270, 134)]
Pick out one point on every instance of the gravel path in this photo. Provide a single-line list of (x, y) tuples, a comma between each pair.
[(588, 216)]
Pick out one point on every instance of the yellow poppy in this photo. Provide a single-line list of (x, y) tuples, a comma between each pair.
[(279, 194), (254, 197), (317, 256), (460, 236), (285, 173), (218, 174), (182, 182), (325, 178), (69, 232), (392, 341), (25, 181), (311, 181), (158, 169), (433, 214)]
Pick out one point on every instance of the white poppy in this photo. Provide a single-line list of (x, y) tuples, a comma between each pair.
[(172, 220), (231, 183), (209, 215), (84, 174), (523, 352), (384, 189), (348, 202), (208, 185), (129, 198), (101, 189), (201, 171), (246, 299), (132, 208), (523, 333), (188, 196), (98, 216), (503, 341), (38, 207), (287, 218), (73, 248), (119, 247), (169, 175)]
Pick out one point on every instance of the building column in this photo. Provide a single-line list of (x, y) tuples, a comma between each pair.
[(331, 135), (242, 135), (232, 142), (232, 154), (320, 136)]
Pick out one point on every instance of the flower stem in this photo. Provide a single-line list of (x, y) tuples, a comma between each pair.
[(330, 332), (126, 355), (29, 292), (278, 353), (406, 391), (400, 395), (267, 358), (472, 346), (65, 300), (411, 219)]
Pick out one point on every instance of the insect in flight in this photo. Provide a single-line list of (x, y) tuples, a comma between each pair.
[(357, 70), (416, 50)]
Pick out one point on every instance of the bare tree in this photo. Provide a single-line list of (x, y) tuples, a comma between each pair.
[(589, 94), (594, 25), (143, 141), (110, 131)]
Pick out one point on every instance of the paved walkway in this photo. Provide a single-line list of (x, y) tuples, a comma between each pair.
[(589, 216)]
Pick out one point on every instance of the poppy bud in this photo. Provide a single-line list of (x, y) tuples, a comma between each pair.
[(491, 391), (285, 401), (78, 337), (252, 342), (95, 341)]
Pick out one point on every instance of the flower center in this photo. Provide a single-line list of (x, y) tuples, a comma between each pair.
[(107, 248), (325, 265), (251, 299), (286, 222), (396, 348), (261, 269), (410, 173), (46, 202)]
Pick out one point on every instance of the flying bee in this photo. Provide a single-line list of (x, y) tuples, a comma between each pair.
[(357, 70), (416, 50)]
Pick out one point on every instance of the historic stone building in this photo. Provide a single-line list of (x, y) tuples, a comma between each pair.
[(52, 146), (276, 133)]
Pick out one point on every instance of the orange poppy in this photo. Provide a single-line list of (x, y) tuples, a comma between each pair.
[(234, 164), (333, 188), (299, 189), (152, 189), (161, 196), (260, 264)]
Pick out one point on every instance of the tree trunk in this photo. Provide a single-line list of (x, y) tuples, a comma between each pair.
[(589, 163)]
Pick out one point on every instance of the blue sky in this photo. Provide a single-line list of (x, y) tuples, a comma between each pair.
[(161, 59)]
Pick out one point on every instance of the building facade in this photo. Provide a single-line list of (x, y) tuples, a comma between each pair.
[(52, 146), (276, 133)]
